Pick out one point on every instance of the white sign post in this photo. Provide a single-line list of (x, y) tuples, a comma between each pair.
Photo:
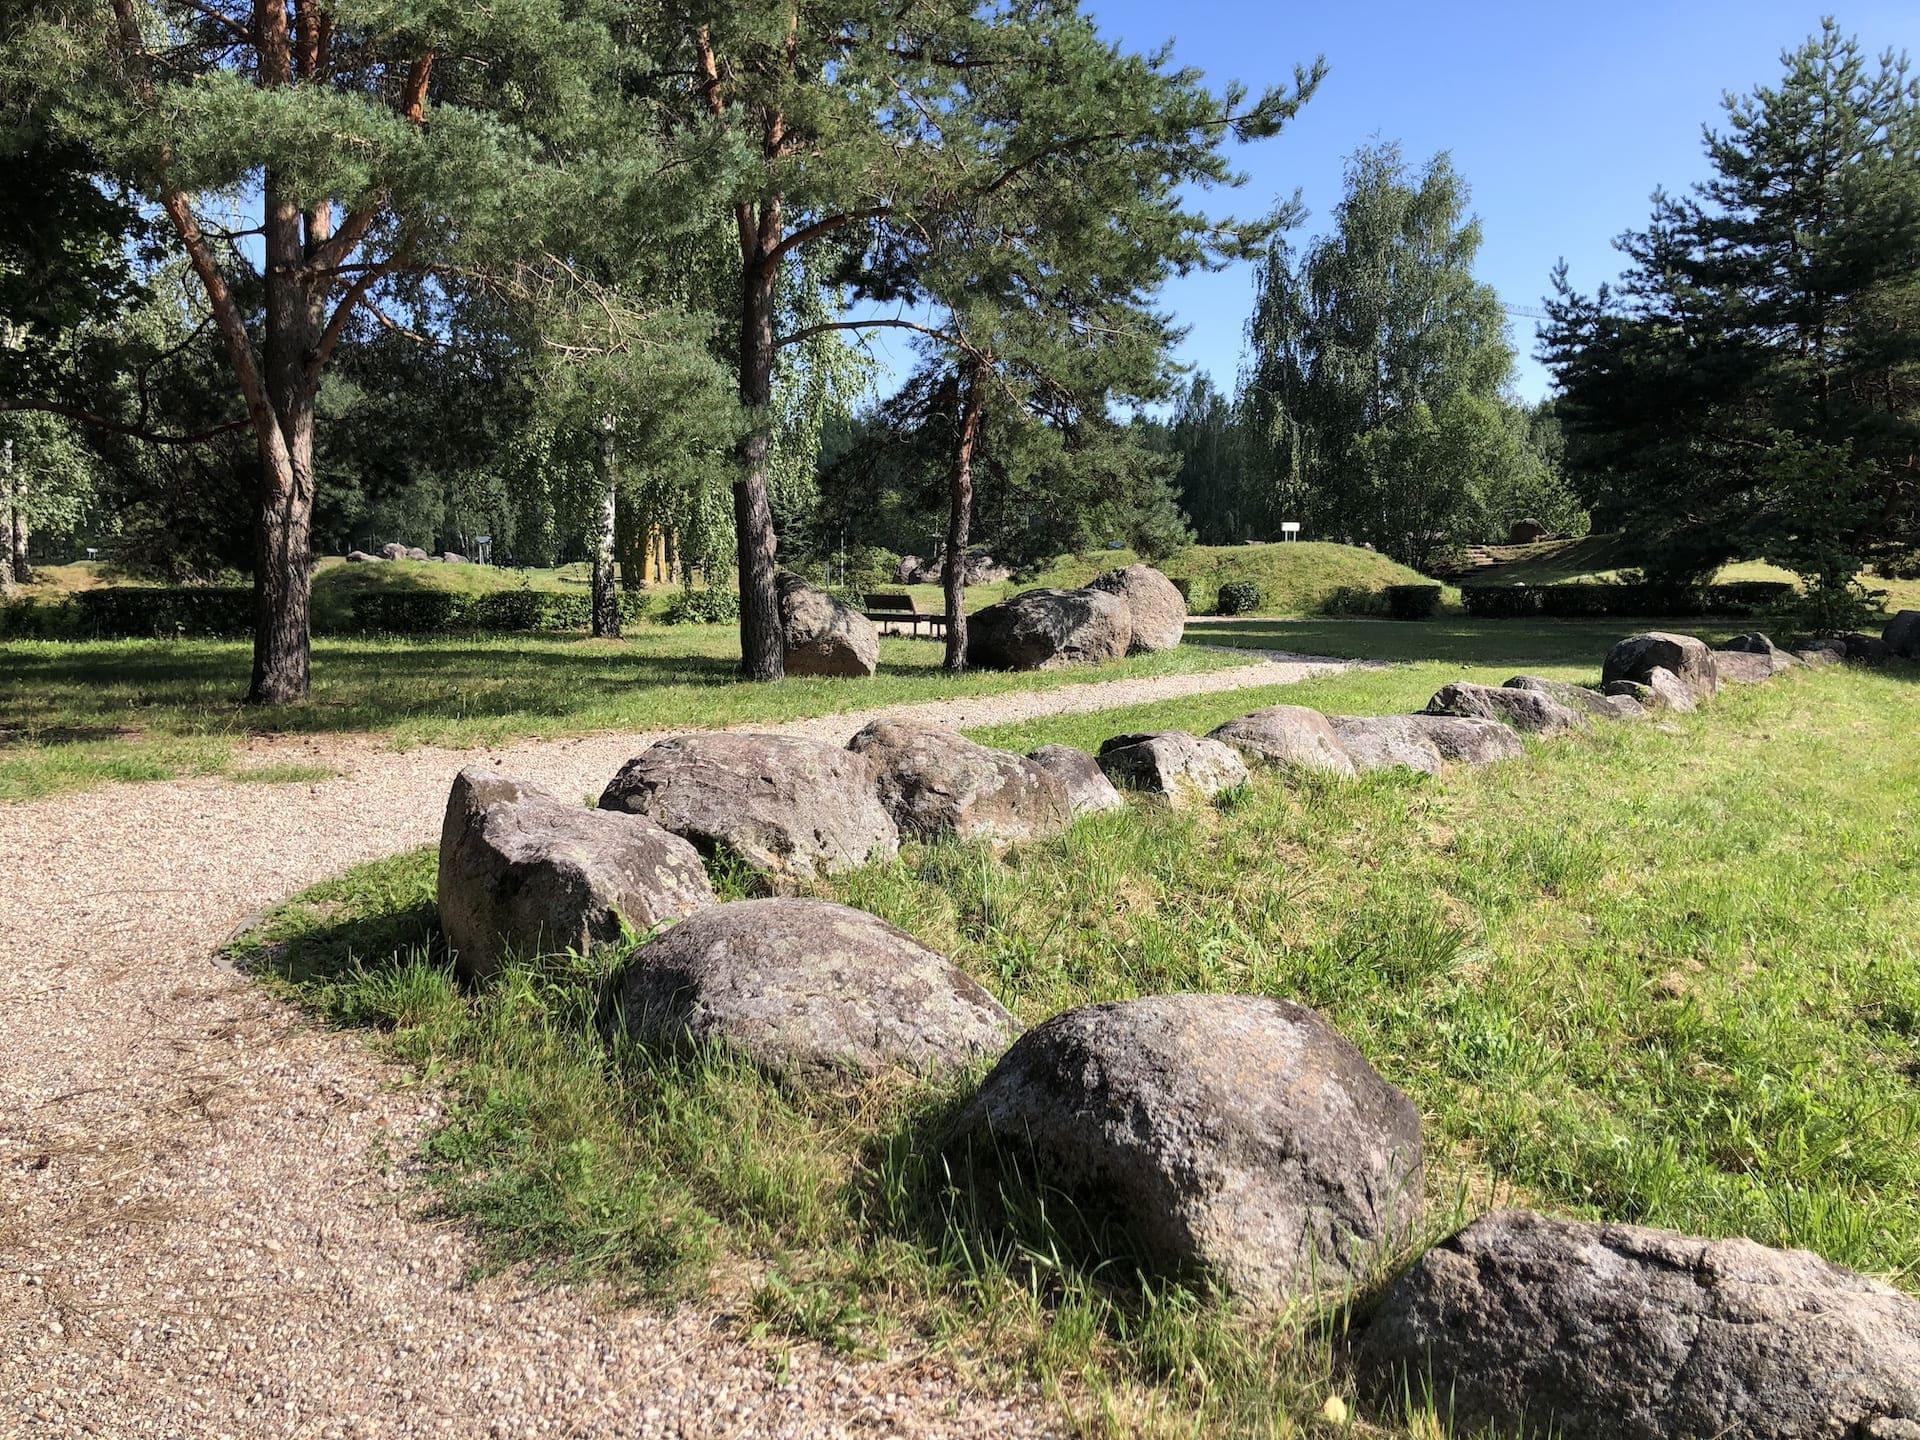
[(1290, 529)]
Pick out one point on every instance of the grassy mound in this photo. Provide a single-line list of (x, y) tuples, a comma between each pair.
[(337, 584), (1294, 579)]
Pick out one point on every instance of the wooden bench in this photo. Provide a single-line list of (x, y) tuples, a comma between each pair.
[(885, 610)]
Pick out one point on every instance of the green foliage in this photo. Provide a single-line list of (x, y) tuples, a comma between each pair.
[(1626, 598), (1373, 396), (1753, 388), (1238, 597), (1413, 602), (701, 607)]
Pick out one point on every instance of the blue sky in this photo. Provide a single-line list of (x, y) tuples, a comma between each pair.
[(1562, 117)]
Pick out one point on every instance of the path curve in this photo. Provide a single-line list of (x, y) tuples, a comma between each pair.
[(208, 1225)]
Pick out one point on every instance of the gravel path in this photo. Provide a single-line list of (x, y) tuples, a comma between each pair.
[(208, 1225)]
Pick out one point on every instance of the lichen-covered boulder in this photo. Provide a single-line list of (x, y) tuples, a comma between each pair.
[(1158, 608), (1755, 643), (361, 557), (1171, 767), (414, 552), (1688, 659), (810, 990), (1531, 712), (1289, 735), (393, 550), (934, 782), (1592, 703), (1089, 792), (1863, 649), (1820, 653), (523, 871), (1465, 740), (1618, 1332), (1050, 630), (780, 804), (1387, 742), (1661, 690), (1902, 635), (1232, 1138), (822, 635)]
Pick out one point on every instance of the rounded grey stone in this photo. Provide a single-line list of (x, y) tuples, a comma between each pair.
[(1290, 735), (1089, 792), (781, 804), (1387, 742), (1231, 1138), (822, 635), (810, 990), (1171, 767), (936, 782), (1050, 630), (522, 871), (1618, 1332), (1687, 658), (1158, 609)]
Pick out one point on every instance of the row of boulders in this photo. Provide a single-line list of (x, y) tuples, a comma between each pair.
[(393, 550), (1229, 1140)]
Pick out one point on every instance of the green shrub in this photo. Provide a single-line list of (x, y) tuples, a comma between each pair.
[(1355, 600), (1829, 608), (1413, 602), (1601, 599), (37, 619), (134, 611), (1237, 597), (701, 607)]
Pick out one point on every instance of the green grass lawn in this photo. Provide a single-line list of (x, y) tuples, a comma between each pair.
[(1660, 974), (82, 713)]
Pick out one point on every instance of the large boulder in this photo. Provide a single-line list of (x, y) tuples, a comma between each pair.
[(935, 782), (1159, 610), (453, 557), (780, 804), (1465, 740), (1387, 742), (361, 557), (1232, 1138), (1617, 1332), (810, 990), (1817, 653), (523, 871), (1049, 630), (1576, 697), (906, 570), (1089, 792), (393, 550), (414, 552), (1525, 532), (1902, 635), (1289, 735), (823, 635), (1756, 643), (1688, 658), (1864, 649), (1661, 690), (1171, 767), (1532, 712), (1743, 667)]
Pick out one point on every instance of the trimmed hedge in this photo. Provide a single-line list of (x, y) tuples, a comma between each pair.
[(441, 612), (1597, 599), (115, 611), (1413, 602), (1237, 597)]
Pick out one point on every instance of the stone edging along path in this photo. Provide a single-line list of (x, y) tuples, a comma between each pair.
[(206, 1225)]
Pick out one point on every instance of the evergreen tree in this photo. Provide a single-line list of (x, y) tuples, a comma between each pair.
[(1753, 387), (383, 144)]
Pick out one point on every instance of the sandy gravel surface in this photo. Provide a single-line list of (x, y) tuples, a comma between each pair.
[(208, 1221)]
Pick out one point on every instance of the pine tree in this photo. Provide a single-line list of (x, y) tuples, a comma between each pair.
[(1752, 389), (382, 144)]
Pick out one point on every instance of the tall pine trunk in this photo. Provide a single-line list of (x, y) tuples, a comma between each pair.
[(960, 514), (606, 594), (283, 538), (761, 653)]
